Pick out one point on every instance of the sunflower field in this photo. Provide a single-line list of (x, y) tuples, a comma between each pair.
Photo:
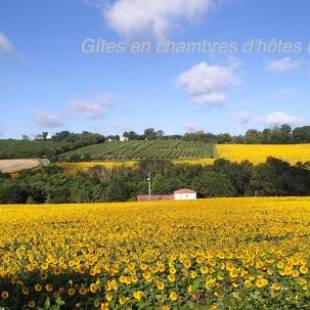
[(258, 153), (243, 253), (85, 166)]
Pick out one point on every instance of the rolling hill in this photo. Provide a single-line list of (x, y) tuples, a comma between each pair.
[(137, 150), (20, 149)]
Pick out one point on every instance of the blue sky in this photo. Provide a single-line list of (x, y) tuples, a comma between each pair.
[(47, 83)]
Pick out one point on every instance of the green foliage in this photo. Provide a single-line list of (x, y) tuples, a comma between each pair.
[(10, 149), (62, 142), (238, 174), (161, 184), (213, 184), (278, 178), (301, 134), (223, 179), (49, 306), (13, 193), (278, 135), (116, 190)]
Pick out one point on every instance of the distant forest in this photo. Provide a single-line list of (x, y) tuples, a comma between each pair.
[(277, 135), (284, 134)]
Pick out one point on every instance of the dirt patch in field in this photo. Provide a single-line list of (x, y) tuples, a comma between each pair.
[(16, 165)]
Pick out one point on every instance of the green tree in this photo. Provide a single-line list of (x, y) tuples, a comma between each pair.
[(13, 193), (59, 194), (30, 200), (252, 136), (213, 184), (161, 185), (301, 134), (131, 135), (44, 135), (116, 191), (267, 179), (238, 174), (25, 138), (150, 134)]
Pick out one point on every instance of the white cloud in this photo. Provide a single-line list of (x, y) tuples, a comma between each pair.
[(283, 65), (6, 47), (48, 120), (207, 84), (156, 17), (278, 118), (93, 108)]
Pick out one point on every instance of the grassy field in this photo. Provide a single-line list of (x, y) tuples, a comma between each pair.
[(137, 150), (257, 153), (11, 149), (250, 253)]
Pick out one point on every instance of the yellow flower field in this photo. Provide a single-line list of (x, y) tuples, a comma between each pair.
[(255, 153), (84, 166), (243, 253), (258, 153), (200, 161)]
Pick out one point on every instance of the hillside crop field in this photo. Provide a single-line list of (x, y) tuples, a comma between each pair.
[(11, 149), (255, 153), (250, 253), (258, 153), (137, 150), (20, 149)]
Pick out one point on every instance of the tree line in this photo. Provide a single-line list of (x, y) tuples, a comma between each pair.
[(284, 134), (222, 179)]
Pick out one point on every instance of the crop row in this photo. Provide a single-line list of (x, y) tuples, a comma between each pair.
[(137, 150)]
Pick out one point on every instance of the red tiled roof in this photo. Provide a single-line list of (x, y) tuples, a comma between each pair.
[(184, 191), (154, 197)]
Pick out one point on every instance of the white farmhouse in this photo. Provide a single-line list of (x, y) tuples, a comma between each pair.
[(185, 194), (123, 139)]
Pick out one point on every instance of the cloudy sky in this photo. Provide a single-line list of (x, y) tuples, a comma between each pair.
[(53, 75)]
